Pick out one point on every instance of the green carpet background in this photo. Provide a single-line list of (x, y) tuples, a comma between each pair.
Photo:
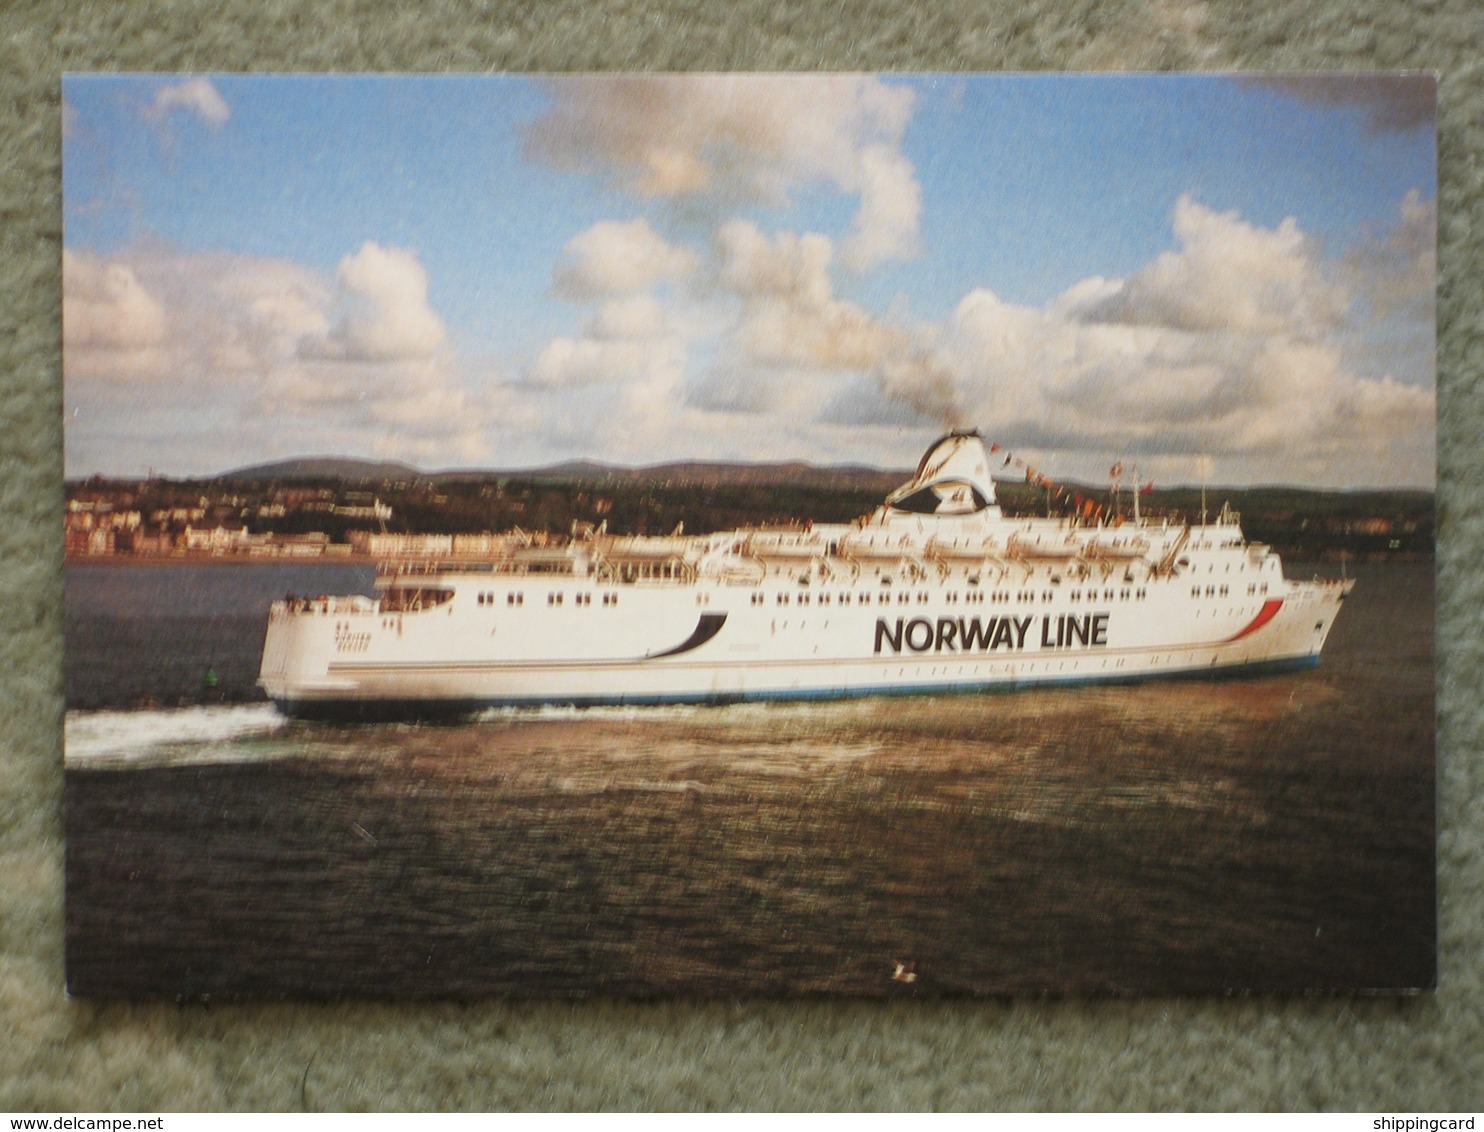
[(58, 1055)]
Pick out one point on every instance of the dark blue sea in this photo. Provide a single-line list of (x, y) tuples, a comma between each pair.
[(1270, 835)]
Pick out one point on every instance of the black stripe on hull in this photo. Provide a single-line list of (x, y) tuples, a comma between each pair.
[(707, 627)]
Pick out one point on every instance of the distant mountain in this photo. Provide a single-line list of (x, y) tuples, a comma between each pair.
[(586, 471), (703, 473), (325, 468), (796, 473)]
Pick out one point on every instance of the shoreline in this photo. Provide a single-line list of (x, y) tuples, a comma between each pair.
[(218, 560), (1290, 558)]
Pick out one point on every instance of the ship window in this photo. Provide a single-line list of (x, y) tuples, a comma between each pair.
[(1076, 595), (844, 599), (803, 599), (922, 599)]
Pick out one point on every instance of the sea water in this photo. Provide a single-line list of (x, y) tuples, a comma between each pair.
[(1271, 834)]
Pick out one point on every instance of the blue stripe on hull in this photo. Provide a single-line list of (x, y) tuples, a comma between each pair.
[(379, 711)]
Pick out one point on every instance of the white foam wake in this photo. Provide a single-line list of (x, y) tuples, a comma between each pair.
[(203, 734)]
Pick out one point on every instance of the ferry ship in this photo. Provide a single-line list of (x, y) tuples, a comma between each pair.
[(936, 591)]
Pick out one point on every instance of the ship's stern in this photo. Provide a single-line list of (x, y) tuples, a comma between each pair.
[(295, 672)]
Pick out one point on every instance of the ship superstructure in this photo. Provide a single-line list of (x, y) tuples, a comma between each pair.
[(935, 591)]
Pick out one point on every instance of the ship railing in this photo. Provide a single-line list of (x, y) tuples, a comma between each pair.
[(729, 562), (628, 571), (414, 599), (1117, 549), (425, 567), (323, 604), (531, 562)]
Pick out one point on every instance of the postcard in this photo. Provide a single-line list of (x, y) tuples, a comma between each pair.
[(868, 534)]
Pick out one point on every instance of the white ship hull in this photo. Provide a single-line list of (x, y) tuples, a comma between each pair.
[(716, 619)]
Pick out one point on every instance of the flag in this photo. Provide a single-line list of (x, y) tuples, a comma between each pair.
[(1116, 470), (1147, 489)]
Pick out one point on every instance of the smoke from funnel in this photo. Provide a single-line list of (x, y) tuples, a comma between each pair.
[(924, 386)]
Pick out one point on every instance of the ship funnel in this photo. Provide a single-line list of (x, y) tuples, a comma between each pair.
[(952, 479)]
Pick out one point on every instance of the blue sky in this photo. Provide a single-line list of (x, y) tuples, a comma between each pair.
[(1192, 272)]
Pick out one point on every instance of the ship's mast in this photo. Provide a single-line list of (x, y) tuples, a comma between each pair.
[(1205, 469)]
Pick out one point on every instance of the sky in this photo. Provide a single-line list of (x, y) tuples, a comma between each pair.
[(1210, 278)]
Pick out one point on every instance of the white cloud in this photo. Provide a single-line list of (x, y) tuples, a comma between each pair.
[(1230, 275), (386, 316), (747, 136), (614, 258), (1388, 101), (569, 362), (1230, 348), (1396, 270), (886, 226), (790, 315), (104, 306), (633, 317), (220, 354), (194, 96), (1239, 346)]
